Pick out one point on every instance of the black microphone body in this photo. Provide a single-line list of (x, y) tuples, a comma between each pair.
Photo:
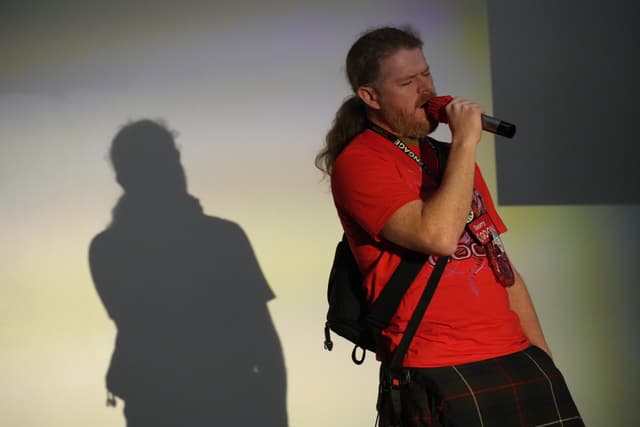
[(497, 126)]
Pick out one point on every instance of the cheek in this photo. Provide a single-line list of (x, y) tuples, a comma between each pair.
[(400, 96), (401, 103), (407, 102), (393, 104)]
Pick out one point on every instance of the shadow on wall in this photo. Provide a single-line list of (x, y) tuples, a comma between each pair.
[(196, 344)]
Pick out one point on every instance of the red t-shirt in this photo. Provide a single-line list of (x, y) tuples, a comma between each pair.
[(469, 317)]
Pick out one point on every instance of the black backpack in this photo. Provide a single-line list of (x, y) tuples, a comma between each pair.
[(349, 315)]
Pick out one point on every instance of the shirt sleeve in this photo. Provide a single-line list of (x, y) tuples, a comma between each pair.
[(369, 189)]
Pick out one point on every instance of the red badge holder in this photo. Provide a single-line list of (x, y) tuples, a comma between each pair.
[(485, 233)]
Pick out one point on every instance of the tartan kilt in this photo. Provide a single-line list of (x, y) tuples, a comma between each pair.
[(524, 389)]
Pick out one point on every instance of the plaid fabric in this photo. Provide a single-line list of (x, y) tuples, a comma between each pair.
[(523, 389)]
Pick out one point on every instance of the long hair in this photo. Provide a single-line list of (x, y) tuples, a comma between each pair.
[(362, 69)]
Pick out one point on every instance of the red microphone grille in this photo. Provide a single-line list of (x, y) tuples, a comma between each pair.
[(435, 108)]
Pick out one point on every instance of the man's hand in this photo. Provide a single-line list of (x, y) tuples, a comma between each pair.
[(465, 121)]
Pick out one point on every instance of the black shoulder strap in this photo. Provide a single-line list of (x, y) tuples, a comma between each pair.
[(442, 151), (389, 299), (394, 371), (418, 313)]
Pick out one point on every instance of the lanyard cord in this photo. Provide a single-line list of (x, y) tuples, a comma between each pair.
[(406, 150)]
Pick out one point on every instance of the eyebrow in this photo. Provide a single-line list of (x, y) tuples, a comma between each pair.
[(426, 70)]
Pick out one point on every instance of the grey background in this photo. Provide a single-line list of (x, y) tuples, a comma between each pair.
[(564, 72)]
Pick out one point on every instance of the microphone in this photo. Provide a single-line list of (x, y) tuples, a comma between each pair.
[(435, 110)]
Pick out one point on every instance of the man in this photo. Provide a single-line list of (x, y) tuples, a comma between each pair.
[(479, 357)]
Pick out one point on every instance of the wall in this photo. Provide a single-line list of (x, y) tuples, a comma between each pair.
[(251, 90)]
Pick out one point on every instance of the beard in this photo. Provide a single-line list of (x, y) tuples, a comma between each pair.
[(407, 124)]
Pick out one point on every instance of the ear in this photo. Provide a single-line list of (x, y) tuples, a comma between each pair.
[(369, 96)]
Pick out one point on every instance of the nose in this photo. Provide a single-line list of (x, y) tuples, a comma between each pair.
[(425, 85)]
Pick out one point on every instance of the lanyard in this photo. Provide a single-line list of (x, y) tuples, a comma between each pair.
[(406, 150)]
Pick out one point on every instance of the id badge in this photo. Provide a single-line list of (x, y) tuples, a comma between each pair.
[(485, 233), (482, 229)]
